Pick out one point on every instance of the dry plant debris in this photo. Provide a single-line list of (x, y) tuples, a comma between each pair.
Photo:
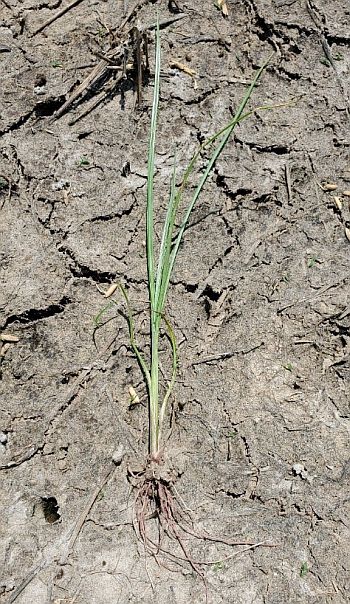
[(188, 70), (222, 5)]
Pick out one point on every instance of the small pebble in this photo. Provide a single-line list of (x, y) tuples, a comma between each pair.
[(299, 470), (39, 90), (60, 184), (118, 455), (3, 438)]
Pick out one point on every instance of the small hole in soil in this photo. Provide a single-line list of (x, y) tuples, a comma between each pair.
[(50, 509), (125, 171), (40, 80), (210, 293), (48, 107), (190, 287), (82, 135)]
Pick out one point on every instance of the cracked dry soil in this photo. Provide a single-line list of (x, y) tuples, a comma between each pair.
[(260, 304)]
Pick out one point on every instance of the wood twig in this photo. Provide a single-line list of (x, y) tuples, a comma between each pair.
[(97, 100), (225, 355), (103, 67), (61, 551), (59, 14), (288, 183)]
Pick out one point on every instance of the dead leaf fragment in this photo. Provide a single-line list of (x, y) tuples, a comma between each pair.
[(222, 5), (347, 233), (183, 67), (110, 291), (329, 186), (134, 397), (8, 337), (338, 202), (65, 197), (346, 193), (4, 349)]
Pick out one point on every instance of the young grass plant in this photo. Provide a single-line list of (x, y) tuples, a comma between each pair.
[(156, 495), (160, 270)]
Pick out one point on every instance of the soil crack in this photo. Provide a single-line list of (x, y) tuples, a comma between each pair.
[(36, 314)]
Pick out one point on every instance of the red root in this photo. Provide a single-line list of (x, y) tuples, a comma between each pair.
[(159, 514)]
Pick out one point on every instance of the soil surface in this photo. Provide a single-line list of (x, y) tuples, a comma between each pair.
[(259, 428)]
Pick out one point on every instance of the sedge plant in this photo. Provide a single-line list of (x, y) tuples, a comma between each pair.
[(160, 265)]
